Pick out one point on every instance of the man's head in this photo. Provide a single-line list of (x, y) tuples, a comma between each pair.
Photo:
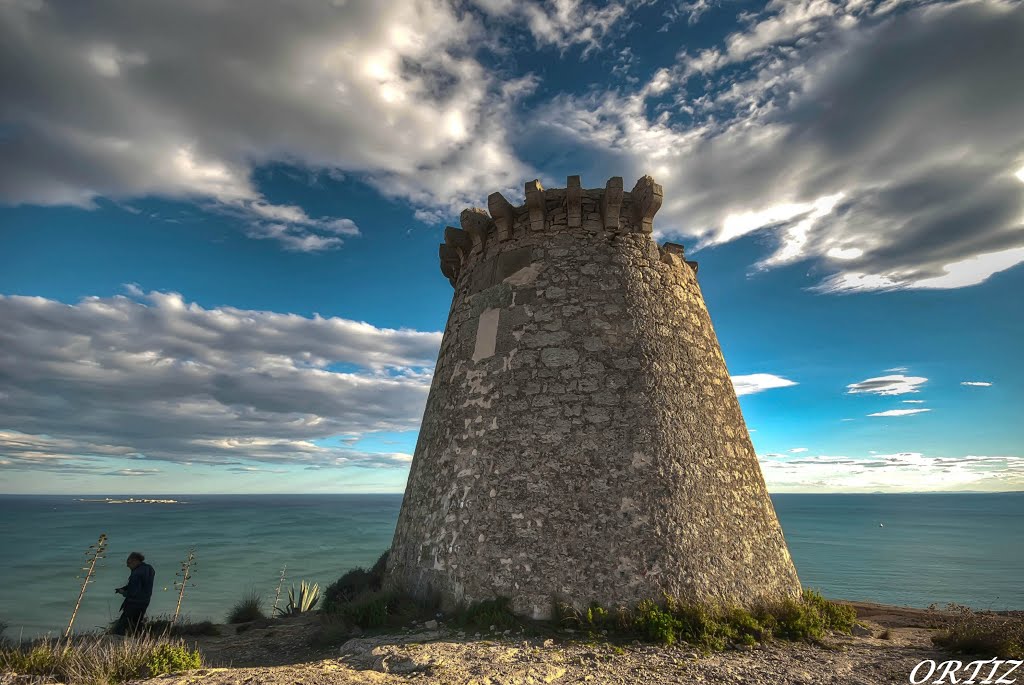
[(134, 559)]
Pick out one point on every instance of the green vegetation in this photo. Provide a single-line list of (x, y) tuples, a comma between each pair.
[(248, 608), (162, 626), (302, 601), (484, 615), (355, 583), (712, 628), (376, 610), (357, 600), (168, 658), (984, 634), (98, 660)]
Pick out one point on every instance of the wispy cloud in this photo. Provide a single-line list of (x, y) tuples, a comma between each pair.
[(897, 384), (899, 412), (977, 384), (131, 472)]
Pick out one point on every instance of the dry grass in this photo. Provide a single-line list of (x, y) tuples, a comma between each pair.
[(982, 633), (97, 659)]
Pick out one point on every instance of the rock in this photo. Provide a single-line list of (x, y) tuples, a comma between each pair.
[(430, 625), (861, 630)]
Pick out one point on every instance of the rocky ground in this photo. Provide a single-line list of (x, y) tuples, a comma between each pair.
[(286, 653)]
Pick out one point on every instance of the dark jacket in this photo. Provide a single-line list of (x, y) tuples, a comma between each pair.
[(139, 589)]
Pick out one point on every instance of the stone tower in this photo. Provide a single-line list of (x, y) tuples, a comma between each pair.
[(582, 438)]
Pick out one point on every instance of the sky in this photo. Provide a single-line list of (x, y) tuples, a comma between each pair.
[(219, 224)]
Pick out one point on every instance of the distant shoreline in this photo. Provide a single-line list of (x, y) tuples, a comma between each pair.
[(131, 500)]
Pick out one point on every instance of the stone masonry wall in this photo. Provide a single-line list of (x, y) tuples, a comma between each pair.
[(582, 438)]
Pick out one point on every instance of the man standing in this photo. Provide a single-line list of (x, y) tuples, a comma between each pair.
[(137, 594)]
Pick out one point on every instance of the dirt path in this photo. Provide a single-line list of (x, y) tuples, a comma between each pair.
[(281, 655)]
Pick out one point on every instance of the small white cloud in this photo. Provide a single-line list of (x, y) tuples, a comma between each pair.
[(913, 401), (133, 472), (758, 382), (797, 450), (899, 412), (976, 384), (897, 369), (896, 384)]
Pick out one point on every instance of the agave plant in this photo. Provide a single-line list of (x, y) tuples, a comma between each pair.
[(303, 600)]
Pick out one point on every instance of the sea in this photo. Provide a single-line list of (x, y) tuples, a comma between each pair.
[(905, 549)]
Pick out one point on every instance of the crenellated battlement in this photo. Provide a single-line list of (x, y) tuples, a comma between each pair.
[(595, 211)]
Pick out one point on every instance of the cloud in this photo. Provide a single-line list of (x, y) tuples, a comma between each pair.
[(897, 384), (899, 412), (805, 129), (913, 401), (759, 382), (978, 384), (560, 23), (168, 380), (693, 10), (187, 101), (133, 472), (798, 450), (900, 472)]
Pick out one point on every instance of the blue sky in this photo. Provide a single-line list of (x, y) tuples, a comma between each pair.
[(220, 225)]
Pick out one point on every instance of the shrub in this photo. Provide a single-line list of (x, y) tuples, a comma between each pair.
[(98, 660), (838, 617), (248, 608), (380, 609), (655, 623), (984, 634), (794, 620), (370, 610), (168, 658), (354, 583), (333, 630), (184, 627), (483, 615), (351, 585)]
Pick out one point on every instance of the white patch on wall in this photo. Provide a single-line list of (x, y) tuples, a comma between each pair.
[(486, 334), (526, 275)]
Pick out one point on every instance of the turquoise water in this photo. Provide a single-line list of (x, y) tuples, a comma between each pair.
[(964, 548)]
